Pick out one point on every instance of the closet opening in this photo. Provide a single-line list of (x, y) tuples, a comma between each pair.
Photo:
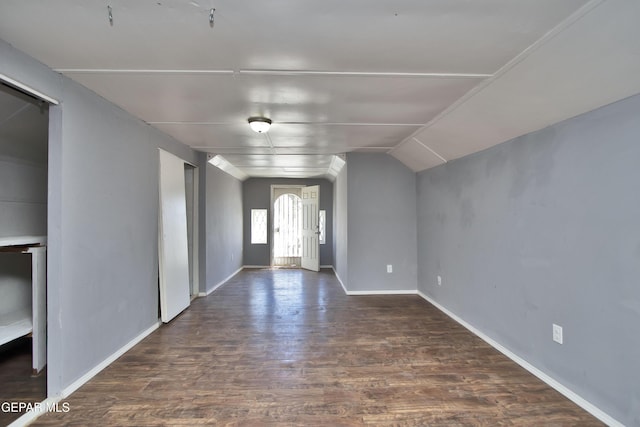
[(24, 145)]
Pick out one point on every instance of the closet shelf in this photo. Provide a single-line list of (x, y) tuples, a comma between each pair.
[(15, 325)]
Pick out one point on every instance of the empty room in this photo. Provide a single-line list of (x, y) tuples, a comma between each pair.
[(382, 213)]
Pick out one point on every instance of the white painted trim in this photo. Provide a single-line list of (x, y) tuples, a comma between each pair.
[(31, 416), (565, 391), (136, 71), (196, 230), (217, 149), (351, 124), (383, 292), (204, 294), (340, 280), (194, 124), (430, 149), (106, 362), (362, 74), (256, 266), (327, 266), (23, 240), (24, 88)]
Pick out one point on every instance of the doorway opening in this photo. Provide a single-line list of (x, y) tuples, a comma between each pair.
[(24, 156), (294, 226), (191, 200), (287, 230), (177, 234)]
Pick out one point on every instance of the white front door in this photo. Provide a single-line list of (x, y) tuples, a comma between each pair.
[(310, 231)]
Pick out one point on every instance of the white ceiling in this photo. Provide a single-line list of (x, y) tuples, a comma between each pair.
[(426, 81)]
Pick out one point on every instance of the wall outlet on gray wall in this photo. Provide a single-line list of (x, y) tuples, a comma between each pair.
[(439, 280), (557, 333), (389, 268)]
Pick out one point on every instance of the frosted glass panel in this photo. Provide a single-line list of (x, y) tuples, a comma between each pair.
[(322, 220), (258, 226)]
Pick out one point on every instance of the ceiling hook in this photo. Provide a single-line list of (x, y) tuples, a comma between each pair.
[(211, 23), (110, 15)]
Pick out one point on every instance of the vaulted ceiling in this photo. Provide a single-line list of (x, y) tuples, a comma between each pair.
[(427, 81)]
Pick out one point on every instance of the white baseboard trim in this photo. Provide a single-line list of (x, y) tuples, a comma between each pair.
[(32, 415), (344, 288), (269, 266), (106, 362), (565, 391), (204, 294), (51, 403), (384, 292)]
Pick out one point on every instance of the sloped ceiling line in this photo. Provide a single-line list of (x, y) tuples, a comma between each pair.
[(568, 22), (430, 149)]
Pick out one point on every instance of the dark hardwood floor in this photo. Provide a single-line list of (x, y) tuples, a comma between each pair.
[(288, 347), (17, 384)]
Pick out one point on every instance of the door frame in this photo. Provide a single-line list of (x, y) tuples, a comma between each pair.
[(270, 212), (53, 245), (194, 243), (173, 252)]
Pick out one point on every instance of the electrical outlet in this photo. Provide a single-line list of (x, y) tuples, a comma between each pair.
[(439, 280), (557, 333), (389, 268)]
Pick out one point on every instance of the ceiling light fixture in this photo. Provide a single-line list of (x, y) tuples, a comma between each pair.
[(259, 124)]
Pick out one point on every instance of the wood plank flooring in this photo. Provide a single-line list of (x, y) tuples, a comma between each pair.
[(17, 384), (288, 347)]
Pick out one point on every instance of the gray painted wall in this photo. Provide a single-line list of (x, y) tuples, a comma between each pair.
[(256, 194), (340, 228), (109, 209), (102, 222), (381, 224), (223, 232), (542, 230)]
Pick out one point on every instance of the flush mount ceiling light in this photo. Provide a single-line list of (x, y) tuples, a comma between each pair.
[(259, 124)]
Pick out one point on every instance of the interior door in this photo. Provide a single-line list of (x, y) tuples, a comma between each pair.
[(172, 238), (310, 230)]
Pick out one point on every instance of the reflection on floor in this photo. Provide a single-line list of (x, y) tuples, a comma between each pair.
[(16, 382), (288, 347)]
